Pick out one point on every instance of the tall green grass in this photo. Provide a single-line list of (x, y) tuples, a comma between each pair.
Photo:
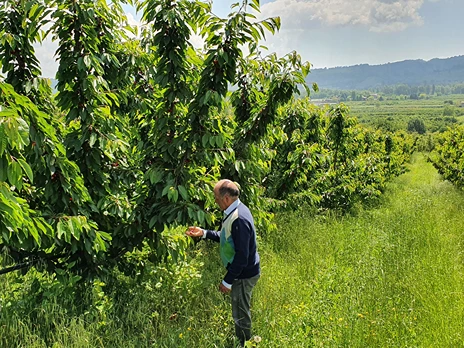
[(389, 277), (386, 276)]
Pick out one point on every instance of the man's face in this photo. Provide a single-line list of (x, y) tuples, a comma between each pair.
[(222, 202)]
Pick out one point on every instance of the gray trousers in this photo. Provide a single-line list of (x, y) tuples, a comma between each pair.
[(241, 300)]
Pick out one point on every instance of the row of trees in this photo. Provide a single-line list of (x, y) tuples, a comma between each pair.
[(141, 129), (448, 156), (425, 89), (330, 161), (400, 90)]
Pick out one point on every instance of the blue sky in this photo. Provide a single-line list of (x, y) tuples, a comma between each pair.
[(330, 33)]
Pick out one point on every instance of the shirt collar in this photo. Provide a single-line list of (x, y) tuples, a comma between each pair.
[(232, 207)]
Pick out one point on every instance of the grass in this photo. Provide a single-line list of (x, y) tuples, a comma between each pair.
[(387, 276)]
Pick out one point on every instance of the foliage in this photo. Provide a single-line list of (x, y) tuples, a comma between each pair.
[(34, 196), (328, 160), (448, 156), (143, 126), (416, 125), (21, 25), (390, 275), (136, 135), (448, 110)]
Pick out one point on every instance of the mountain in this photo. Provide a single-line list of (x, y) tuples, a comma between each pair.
[(410, 72)]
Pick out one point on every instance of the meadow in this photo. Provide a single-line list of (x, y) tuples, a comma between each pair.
[(389, 275), (395, 114)]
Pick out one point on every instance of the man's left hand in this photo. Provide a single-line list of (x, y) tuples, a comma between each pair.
[(223, 289)]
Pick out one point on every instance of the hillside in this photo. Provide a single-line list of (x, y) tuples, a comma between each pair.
[(411, 72)]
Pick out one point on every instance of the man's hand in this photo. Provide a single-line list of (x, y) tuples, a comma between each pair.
[(194, 231), (223, 289)]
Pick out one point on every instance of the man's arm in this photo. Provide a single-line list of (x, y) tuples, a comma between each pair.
[(213, 235)]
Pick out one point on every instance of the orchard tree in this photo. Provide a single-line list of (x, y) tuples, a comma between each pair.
[(448, 156), (137, 134)]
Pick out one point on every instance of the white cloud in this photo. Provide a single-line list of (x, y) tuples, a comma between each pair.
[(376, 15)]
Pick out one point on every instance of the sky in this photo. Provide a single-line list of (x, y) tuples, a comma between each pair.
[(330, 33)]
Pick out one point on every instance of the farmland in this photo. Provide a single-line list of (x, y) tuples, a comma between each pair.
[(360, 237), (437, 113)]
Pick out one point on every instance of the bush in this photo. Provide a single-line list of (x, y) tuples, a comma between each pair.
[(449, 110), (416, 125)]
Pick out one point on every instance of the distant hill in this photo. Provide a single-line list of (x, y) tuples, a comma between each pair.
[(410, 72)]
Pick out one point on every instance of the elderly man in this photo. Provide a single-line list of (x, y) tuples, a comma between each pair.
[(237, 238)]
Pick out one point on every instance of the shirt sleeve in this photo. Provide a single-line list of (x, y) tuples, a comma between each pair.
[(227, 285), (212, 235), (241, 235)]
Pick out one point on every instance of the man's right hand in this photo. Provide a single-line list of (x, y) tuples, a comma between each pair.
[(194, 231)]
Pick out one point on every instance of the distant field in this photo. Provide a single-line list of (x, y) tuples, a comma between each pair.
[(437, 113)]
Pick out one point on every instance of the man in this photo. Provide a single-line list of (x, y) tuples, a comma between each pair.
[(237, 238)]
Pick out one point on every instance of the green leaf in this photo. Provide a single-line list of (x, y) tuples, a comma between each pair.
[(165, 190), (201, 216), (183, 192), (220, 140), (75, 228), (106, 236), (3, 169), (100, 244), (305, 68), (59, 229), (15, 174), (153, 221), (206, 97), (33, 231), (27, 169), (23, 131), (205, 140), (43, 226), (88, 246), (93, 139), (173, 195), (254, 4), (80, 64), (3, 140), (277, 22), (155, 176), (67, 233)]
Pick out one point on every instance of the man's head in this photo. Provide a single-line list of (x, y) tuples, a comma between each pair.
[(225, 193)]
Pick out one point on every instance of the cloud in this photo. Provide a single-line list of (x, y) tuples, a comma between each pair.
[(375, 15)]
